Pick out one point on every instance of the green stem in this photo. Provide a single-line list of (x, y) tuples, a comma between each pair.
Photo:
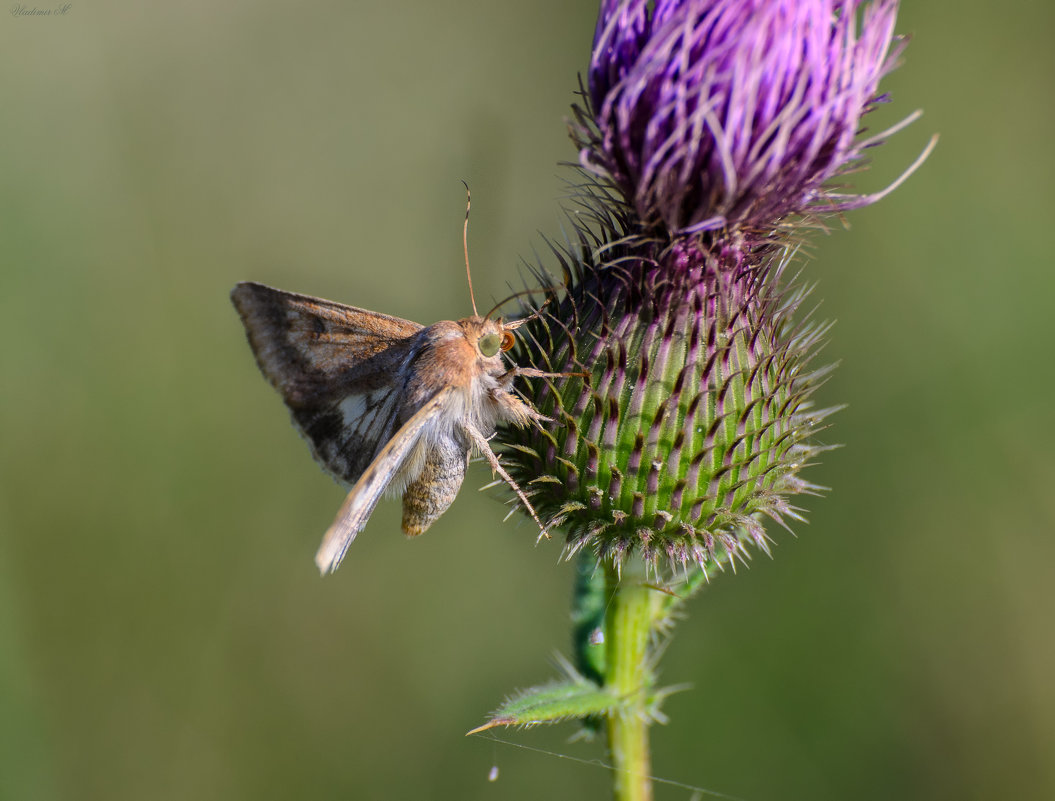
[(628, 628)]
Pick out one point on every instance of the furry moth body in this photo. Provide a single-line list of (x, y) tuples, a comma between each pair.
[(387, 405)]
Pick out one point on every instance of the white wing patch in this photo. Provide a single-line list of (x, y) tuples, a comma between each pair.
[(364, 421), (361, 412)]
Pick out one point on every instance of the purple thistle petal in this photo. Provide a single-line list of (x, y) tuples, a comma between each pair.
[(715, 113)]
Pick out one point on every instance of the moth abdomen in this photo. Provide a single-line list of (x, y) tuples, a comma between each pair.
[(434, 489)]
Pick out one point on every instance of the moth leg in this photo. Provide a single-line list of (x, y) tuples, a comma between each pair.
[(506, 379), (531, 372), (517, 410), (480, 441), (434, 490)]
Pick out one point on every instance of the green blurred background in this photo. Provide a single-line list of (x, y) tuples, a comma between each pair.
[(163, 631)]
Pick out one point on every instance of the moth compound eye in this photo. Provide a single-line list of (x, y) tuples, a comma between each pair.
[(508, 340), (490, 344)]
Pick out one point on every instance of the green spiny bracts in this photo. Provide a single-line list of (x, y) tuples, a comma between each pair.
[(689, 417)]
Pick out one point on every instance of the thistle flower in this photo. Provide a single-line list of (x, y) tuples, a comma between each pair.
[(709, 124), (682, 414), (723, 113)]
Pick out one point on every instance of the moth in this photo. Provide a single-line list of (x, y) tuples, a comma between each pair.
[(387, 405)]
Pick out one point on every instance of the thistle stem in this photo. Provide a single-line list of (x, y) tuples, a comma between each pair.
[(628, 627)]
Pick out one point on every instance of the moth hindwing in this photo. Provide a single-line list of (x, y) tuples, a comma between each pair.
[(386, 405)]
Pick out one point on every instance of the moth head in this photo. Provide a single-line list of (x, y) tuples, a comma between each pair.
[(494, 337)]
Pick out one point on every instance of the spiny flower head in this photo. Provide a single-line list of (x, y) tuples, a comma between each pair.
[(695, 416), (711, 114), (685, 414)]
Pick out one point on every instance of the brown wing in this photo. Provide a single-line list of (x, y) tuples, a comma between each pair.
[(341, 370), (307, 345)]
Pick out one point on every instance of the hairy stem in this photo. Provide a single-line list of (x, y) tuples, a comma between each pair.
[(628, 627)]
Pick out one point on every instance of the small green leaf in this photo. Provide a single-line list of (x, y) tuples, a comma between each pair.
[(551, 703)]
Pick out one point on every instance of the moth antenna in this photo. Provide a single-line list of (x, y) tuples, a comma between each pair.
[(465, 247)]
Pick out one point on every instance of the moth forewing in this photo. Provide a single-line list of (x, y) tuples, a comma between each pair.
[(309, 346), (339, 369), (360, 503)]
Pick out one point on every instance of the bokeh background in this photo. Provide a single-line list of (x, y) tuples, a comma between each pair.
[(163, 631)]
